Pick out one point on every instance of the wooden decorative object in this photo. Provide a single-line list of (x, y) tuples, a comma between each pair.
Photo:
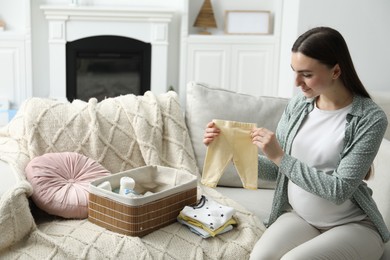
[(2, 25), (205, 18)]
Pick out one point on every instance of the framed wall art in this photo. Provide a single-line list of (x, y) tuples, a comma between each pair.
[(247, 22)]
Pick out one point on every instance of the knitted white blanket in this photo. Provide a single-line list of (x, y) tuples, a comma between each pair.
[(120, 133)]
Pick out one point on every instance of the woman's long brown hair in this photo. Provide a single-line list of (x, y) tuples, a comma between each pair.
[(329, 47)]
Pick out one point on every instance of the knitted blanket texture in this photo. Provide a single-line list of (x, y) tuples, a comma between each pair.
[(120, 133)]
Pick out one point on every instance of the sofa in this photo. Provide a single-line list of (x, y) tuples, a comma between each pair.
[(182, 128)]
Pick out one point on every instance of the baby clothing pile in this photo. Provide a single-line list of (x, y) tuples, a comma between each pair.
[(208, 218)]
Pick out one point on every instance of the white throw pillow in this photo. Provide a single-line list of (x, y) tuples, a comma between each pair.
[(205, 103)]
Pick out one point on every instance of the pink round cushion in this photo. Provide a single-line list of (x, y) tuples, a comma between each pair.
[(60, 182)]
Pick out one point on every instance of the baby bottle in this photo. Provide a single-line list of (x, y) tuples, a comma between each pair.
[(127, 185)]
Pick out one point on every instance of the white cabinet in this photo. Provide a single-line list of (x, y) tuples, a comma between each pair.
[(244, 64), (252, 69), (15, 52), (15, 86), (209, 63)]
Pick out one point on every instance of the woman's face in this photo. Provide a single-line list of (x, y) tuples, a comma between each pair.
[(313, 77)]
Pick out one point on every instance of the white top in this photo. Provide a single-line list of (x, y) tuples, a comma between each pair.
[(319, 143)]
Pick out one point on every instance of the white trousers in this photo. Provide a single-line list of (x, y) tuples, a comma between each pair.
[(290, 237)]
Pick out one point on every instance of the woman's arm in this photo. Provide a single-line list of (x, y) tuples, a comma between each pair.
[(268, 169)]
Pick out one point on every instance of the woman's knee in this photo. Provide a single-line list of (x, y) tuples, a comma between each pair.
[(287, 232)]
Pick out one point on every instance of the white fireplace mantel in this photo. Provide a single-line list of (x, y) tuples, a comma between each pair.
[(69, 23)]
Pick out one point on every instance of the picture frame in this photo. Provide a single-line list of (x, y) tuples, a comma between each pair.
[(247, 22)]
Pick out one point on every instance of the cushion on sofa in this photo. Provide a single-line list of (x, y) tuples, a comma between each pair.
[(60, 182), (380, 183), (204, 103), (382, 98)]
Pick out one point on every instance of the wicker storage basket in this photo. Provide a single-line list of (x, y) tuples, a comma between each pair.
[(172, 190)]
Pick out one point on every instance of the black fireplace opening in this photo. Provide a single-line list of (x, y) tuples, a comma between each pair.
[(107, 66)]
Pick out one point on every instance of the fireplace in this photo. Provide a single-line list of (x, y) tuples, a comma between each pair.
[(107, 66), (141, 25)]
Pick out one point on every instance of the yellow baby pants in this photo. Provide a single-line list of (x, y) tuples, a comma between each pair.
[(233, 143)]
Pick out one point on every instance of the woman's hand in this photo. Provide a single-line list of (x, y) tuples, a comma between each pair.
[(267, 142), (210, 133)]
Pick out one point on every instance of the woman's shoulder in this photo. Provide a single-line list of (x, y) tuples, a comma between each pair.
[(367, 110), (365, 106)]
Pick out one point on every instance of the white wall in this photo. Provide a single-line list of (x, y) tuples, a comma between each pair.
[(364, 25)]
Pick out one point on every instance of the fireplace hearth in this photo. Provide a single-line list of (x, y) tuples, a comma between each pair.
[(107, 66)]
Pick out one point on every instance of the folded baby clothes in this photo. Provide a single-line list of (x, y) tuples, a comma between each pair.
[(201, 232), (208, 217)]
